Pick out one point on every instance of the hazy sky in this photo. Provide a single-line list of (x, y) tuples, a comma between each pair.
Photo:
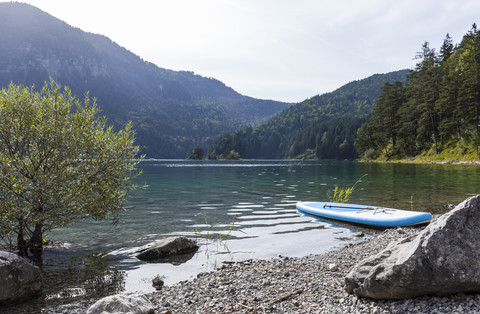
[(286, 50)]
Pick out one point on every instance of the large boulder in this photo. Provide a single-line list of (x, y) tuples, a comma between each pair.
[(173, 250), (441, 260), (122, 303), (19, 280)]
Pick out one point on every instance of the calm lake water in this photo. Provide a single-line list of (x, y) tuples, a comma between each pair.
[(251, 202)]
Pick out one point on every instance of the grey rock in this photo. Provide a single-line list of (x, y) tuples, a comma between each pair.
[(359, 234), (19, 280), (157, 282), (175, 250), (332, 267), (122, 303), (441, 260)]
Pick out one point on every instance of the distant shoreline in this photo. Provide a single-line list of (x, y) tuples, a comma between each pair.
[(424, 161)]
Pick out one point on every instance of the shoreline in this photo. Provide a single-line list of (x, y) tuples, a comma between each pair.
[(424, 162), (310, 284)]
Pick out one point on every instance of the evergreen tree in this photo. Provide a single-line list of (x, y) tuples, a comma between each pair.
[(469, 91), (385, 117), (448, 106), (447, 49), (424, 91), (441, 106)]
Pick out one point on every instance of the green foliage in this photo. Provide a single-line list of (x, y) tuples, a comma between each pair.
[(211, 156), (59, 163), (325, 124), (229, 155), (343, 194), (210, 237), (439, 110), (197, 153)]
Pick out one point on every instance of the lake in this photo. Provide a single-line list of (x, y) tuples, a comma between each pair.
[(249, 204)]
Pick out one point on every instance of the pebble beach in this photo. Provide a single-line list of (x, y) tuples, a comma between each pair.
[(311, 284)]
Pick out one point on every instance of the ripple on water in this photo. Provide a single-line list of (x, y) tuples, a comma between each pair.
[(261, 212), (248, 206), (286, 204), (241, 210), (277, 216)]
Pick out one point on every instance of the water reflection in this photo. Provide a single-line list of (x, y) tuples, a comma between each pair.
[(73, 283), (91, 274)]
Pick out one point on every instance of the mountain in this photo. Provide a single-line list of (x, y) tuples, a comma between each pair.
[(323, 126), (172, 111)]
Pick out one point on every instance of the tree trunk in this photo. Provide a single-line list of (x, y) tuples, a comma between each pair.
[(36, 244), (21, 242)]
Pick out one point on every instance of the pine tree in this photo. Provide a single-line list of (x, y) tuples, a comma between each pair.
[(447, 49), (469, 75), (385, 115), (424, 91)]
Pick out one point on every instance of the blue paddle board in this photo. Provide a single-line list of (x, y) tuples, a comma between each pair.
[(363, 214)]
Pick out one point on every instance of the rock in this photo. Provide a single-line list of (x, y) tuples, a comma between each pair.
[(157, 283), (441, 260), (175, 250), (122, 303), (332, 267), (19, 280), (359, 234)]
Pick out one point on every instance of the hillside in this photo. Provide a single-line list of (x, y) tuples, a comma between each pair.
[(436, 115), (172, 111), (323, 126)]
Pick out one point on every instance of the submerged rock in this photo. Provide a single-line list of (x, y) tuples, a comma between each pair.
[(19, 280), (441, 260), (122, 303), (175, 250)]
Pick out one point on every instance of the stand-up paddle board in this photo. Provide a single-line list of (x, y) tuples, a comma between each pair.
[(364, 214)]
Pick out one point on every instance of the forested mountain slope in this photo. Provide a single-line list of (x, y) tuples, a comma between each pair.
[(172, 111), (323, 126), (436, 114)]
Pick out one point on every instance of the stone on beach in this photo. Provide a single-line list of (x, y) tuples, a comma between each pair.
[(173, 250), (441, 260), (122, 303), (19, 280)]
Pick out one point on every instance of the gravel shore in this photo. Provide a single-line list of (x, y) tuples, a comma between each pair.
[(311, 284)]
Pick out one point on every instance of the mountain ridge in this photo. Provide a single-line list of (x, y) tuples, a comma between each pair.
[(323, 126), (37, 46)]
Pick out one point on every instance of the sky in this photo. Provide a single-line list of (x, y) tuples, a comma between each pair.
[(287, 50)]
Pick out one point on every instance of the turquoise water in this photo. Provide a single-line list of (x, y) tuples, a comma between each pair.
[(251, 202)]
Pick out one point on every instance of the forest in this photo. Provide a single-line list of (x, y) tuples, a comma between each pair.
[(434, 115), (324, 126)]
